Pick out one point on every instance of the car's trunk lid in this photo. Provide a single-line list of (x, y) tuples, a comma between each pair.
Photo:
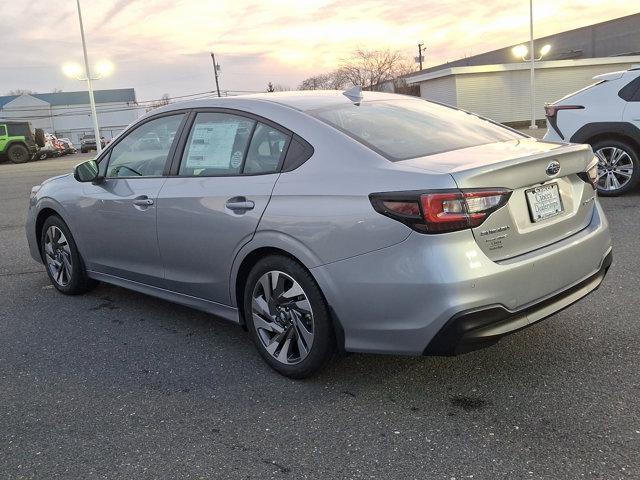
[(521, 166)]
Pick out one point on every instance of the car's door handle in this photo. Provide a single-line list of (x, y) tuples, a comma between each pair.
[(142, 201), (239, 204)]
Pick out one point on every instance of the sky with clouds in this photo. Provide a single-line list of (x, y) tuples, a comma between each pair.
[(162, 46)]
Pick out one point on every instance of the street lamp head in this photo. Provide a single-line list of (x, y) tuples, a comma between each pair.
[(544, 50), (520, 51), (72, 69), (104, 68)]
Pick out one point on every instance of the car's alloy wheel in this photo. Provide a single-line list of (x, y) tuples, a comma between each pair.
[(288, 317), (58, 256), (282, 317), (615, 168)]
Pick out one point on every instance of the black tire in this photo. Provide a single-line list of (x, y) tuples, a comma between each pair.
[(42, 155), (18, 153), (606, 146), (78, 282), (39, 137), (323, 345), (83, 151)]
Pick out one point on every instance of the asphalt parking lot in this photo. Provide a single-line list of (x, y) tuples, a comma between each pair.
[(116, 384)]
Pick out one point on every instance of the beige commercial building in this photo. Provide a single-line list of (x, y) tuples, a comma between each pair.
[(502, 92)]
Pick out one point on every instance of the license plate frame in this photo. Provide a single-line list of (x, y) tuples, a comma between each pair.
[(541, 209)]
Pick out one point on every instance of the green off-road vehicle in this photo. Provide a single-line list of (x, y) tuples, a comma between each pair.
[(17, 142)]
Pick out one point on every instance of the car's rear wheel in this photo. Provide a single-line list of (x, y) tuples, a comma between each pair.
[(61, 258), (18, 154), (618, 167), (287, 317)]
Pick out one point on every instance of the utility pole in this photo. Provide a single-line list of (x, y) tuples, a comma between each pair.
[(215, 71), (420, 49)]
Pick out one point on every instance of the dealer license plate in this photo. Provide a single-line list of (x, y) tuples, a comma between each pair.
[(544, 201)]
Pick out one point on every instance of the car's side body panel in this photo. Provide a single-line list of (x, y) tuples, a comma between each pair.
[(199, 234)]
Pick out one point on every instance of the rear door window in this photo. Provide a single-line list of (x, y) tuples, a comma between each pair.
[(217, 145), (18, 130), (3, 131), (266, 150), (631, 91)]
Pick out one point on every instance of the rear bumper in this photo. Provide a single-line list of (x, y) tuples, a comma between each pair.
[(479, 328), (398, 299)]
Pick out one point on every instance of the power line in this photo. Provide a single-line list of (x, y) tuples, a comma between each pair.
[(140, 102), (85, 111)]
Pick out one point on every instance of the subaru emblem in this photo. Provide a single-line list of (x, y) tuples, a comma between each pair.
[(553, 168)]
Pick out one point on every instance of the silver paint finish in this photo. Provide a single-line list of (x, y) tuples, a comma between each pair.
[(199, 234), (407, 292), (390, 287)]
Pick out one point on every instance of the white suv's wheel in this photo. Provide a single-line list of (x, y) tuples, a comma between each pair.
[(618, 167)]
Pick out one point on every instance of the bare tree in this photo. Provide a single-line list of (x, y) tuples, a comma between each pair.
[(371, 68), (278, 87), (20, 91), (164, 100), (325, 81), (400, 84)]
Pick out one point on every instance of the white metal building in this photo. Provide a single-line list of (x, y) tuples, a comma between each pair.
[(501, 92), (68, 114)]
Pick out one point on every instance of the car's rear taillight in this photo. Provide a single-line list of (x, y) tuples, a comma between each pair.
[(552, 110), (591, 174), (440, 211)]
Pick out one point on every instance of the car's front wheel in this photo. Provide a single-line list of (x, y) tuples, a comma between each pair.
[(61, 257), (618, 167), (287, 317)]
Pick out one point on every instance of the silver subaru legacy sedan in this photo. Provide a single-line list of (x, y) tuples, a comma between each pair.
[(324, 223)]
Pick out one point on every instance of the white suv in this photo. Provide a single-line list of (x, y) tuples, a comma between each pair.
[(605, 115)]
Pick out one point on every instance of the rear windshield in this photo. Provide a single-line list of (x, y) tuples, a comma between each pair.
[(410, 128)]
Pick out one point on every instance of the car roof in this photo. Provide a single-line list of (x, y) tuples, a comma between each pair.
[(314, 99), (300, 100)]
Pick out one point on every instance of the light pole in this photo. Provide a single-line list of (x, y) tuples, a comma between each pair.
[(521, 51), (102, 69), (74, 70)]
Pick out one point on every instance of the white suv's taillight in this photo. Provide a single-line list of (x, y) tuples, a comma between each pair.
[(440, 211)]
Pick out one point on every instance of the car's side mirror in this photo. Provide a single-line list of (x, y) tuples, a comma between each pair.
[(87, 172)]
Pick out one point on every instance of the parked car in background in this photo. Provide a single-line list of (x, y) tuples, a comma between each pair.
[(68, 146), (605, 115), (17, 141), (88, 142), (386, 224)]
